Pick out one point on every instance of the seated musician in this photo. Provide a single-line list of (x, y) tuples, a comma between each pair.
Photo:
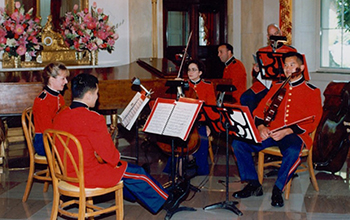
[(91, 130), (204, 90), (289, 130), (49, 102), (258, 90)]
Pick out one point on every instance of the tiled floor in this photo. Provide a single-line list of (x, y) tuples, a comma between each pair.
[(331, 202)]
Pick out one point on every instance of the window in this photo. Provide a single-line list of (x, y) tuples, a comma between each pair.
[(335, 34)]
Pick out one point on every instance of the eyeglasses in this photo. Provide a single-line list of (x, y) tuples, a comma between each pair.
[(193, 70)]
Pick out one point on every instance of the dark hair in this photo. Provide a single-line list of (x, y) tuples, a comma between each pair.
[(200, 65), (228, 46), (83, 83), (300, 57), (52, 70)]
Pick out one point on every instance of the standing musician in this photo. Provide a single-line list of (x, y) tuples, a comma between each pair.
[(257, 91), (289, 129), (204, 90), (92, 132)]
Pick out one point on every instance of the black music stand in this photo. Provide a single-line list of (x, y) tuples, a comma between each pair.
[(236, 121)]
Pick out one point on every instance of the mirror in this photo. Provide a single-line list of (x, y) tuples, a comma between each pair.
[(43, 8)]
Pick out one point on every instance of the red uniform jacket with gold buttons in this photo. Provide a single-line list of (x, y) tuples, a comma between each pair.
[(235, 71), (301, 100), (45, 108), (205, 91), (91, 130)]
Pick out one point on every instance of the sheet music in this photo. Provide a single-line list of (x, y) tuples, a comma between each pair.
[(160, 118), (132, 110), (266, 82), (180, 119), (173, 118)]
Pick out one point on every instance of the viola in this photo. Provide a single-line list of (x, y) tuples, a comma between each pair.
[(275, 101)]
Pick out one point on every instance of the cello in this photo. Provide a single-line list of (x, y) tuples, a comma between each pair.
[(332, 138), (192, 144)]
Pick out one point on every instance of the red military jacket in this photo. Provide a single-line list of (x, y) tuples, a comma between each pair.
[(45, 108), (205, 91), (301, 100), (91, 130), (257, 85), (235, 71)]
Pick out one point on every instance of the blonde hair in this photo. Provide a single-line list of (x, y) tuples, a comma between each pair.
[(52, 70)]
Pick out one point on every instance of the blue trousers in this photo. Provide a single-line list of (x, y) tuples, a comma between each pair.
[(142, 187), (38, 144), (290, 146), (252, 99)]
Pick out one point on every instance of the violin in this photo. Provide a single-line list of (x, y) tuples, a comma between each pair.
[(275, 101)]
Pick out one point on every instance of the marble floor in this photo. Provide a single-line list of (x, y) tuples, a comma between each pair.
[(331, 202)]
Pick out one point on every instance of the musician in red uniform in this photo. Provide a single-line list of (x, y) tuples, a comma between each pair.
[(258, 90), (234, 70), (91, 130), (49, 102), (289, 130), (198, 162)]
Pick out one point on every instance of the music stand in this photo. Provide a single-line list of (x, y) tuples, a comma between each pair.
[(234, 120)]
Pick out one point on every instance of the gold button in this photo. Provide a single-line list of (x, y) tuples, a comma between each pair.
[(287, 110), (290, 93), (289, 100), (287, 106), (287, 115), (285, 121)]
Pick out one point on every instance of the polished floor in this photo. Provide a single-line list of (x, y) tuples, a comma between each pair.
[(331, 202)]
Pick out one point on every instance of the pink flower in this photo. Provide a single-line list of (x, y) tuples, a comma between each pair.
[(3, 40), (75, 7), (94, 4), (19, 29), (21, 50)]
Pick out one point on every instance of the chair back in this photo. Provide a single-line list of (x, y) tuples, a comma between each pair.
[(28, 129), (64, 166)]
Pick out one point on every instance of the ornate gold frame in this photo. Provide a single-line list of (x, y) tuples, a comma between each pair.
[(11, 5)]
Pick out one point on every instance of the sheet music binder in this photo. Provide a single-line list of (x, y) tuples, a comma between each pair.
[(239, 118), (132, 110), (173, 118)]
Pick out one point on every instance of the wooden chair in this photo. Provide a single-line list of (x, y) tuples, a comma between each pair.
[(79, 195), (302, 167), (43, 175)]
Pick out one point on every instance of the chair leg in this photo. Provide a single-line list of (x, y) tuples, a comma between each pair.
[(120, 203), (55, 204), (46, 184), (287, 190), (312, 172), (261, 166), (211, 154), (29, 182), (91, 202)]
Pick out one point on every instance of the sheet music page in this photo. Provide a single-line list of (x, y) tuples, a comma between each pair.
[(266, 82), (132, 110), (244, 127), (160, 118), (180, 119)]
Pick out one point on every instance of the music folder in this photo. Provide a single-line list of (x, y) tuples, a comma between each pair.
[(173, 118), (132, 110)]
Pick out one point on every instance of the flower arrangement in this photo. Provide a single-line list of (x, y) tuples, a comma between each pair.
[(86, 30), (19, 32)]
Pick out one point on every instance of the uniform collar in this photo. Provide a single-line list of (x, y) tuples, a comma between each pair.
[(298, 82), (51, 91), (231, 60), (195, 83), (77, 104)]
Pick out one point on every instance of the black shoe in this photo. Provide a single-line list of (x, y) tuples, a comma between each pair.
[(249, 190), (179, 194), (191, 169), (277, 199)]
